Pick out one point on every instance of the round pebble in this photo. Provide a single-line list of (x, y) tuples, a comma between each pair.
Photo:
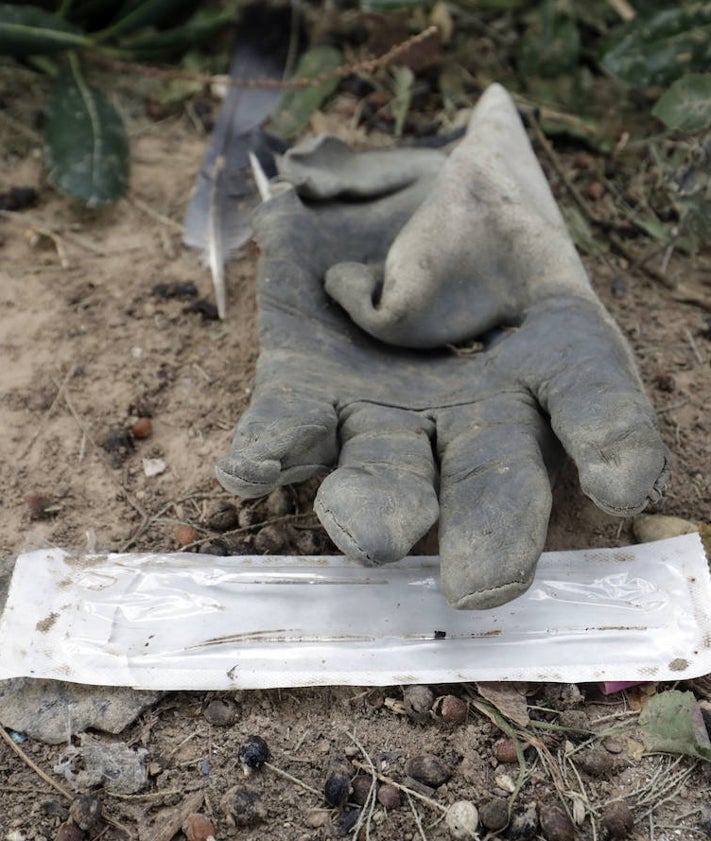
[(450, 709), (505, 750), (185, 534), (462, 819), (221, 712), (142, 428), (418, 701)]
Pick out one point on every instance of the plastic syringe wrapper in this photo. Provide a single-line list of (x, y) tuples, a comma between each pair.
[(188, 621)]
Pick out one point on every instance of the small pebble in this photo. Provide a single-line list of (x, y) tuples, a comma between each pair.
[(85, 811), (69, 831), (389, 796), (494, 814), (617, 820), (269, 540), (242, 806), (361, 786), (428, 769), (505, 750), (253, 753), (317, 818), (221, 712), (142, 428), (462, 819), (418, 701), (337, 788), (198, 827), (450, 709), (185, 534), (223, 517), (619, 286), (555, 824)]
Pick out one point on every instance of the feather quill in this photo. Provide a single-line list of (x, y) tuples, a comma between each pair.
[(217, 216)]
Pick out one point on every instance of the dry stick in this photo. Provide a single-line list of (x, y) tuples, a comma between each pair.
[(369, 805), (44, 776), (45, 421), (31, 219), (369, 65), (619, 244), (433, 804), (287, 776)]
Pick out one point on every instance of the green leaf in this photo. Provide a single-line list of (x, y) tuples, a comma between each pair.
[(687, 104), (672, 723), (202, 25), (550, 50), (87, 147), (148, 13), (26, 30), (657, 48), (298, 104)]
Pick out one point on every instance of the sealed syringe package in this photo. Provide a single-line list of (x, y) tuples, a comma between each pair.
[(189, 621)]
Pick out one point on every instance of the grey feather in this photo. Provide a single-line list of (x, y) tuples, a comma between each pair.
[(217, 217)]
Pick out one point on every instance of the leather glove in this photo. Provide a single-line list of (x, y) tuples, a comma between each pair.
[(418, 435)]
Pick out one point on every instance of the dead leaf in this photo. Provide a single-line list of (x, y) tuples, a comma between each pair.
[(508, 698)]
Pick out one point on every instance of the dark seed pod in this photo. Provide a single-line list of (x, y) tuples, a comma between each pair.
[(361, 786), (524, 825), (450, 709), (69, 831), (337, 788), (555, 824), (243, 806), (618, 820), (428, 769), (494, 814), (252, 754), (223, 518), (389, 796)]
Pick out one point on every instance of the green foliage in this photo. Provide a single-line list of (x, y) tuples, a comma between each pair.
[(87, 148), (298, 104), (658, 47), (672, 723), (686, 106), (551, 47), (86, 142)]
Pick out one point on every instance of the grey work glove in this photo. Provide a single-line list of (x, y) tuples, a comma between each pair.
[(425, 434)]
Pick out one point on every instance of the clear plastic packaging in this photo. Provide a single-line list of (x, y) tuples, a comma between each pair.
[(186, 621)]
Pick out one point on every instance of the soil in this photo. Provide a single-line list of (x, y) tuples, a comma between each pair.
[(89, 345)]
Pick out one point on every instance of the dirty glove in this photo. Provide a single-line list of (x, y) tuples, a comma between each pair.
[(473, 439)]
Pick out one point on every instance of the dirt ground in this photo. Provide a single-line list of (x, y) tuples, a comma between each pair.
[(89, 346)]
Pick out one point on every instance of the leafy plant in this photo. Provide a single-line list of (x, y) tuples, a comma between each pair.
[(87, 146)]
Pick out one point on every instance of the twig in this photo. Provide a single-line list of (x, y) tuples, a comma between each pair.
[(287, 776), (31, 764), (433, 804), (623, 9), (370, 65), (369, 805), (416, 815), (154, 214), (29, 218), (45, 420)]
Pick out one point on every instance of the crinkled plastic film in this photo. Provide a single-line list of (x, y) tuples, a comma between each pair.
[(186, 621)]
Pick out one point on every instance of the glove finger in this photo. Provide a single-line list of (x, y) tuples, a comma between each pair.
[(279, 440), (381, 499), (495, 500), (589, 385)]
